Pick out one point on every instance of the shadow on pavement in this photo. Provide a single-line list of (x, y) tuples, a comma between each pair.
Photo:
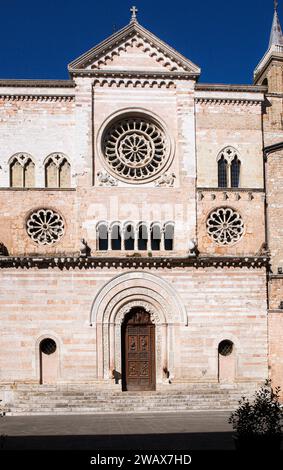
[(173, 442)]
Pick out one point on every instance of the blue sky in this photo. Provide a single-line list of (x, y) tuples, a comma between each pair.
[(225, 38)]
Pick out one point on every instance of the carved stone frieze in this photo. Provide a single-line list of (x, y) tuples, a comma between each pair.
[(167, 180), (105, 179)]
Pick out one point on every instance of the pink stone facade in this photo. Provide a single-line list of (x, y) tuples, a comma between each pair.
[(199, 291)]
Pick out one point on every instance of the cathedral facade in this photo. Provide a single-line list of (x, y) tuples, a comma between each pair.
[(141, 224)]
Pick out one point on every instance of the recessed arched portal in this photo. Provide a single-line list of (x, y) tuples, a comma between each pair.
[(112, 304), (138, 351)]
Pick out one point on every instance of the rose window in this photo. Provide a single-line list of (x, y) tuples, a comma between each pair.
[(45, 227), (225, 226), (135, 149)]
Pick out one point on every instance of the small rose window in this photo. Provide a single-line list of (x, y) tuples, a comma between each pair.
[(45, 227), (225, 226)]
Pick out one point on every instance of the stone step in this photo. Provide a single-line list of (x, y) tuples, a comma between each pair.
[(52, 400)]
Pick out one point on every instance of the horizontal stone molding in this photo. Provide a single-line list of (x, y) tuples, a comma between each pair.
[(276, 276), (231, 88), (133, 83), (229, 101), (37, 83), (35, 97), (132, 74), (232, 190), (50, 190), (225, 194), (73, 262)]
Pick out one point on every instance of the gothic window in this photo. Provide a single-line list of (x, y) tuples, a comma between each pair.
[(228, 168), (168, 236), (222, 172), (45, 227), (102, 232), (116, 240), (129, 237), (235, 172), (57, 171), (21, 171), (225, 226), (64, 175), (135, 149), (142, 237), (155, 236)]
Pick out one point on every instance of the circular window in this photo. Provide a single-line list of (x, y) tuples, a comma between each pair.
[(225, 348), (48, 346), (135, 149), (45, 227), (225, 226)]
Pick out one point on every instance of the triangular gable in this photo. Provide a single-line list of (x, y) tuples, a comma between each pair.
[(133, 48)]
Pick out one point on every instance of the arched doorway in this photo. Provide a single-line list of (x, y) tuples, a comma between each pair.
[(138, 351)]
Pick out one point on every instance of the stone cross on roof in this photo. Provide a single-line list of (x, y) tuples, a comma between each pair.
[(275, 4), (134, 12)]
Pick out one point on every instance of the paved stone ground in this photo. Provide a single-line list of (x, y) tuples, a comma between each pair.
[(174, 431)]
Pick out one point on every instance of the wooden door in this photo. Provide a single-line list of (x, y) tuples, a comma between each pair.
[(138, 351)]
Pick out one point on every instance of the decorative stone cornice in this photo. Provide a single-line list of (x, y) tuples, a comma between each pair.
[(231, 88), (231, 194), (122, 82), (228, 101), (36, 97), (99, 75), (73, 262), (47, 190), (38, 83), (231, 190)]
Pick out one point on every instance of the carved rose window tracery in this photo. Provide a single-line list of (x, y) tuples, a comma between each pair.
[(135, 149), (225, 226), (45, 227)]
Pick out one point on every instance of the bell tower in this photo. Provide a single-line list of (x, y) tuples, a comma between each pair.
[(269, 72)]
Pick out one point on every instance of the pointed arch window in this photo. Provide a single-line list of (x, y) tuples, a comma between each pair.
[(102, 236), (235, 172), (22, 174), (229, 166), (168, 236), (129, 237), (142, 237), (116, 239), (155, 237), (222, 172), (57, 171)]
